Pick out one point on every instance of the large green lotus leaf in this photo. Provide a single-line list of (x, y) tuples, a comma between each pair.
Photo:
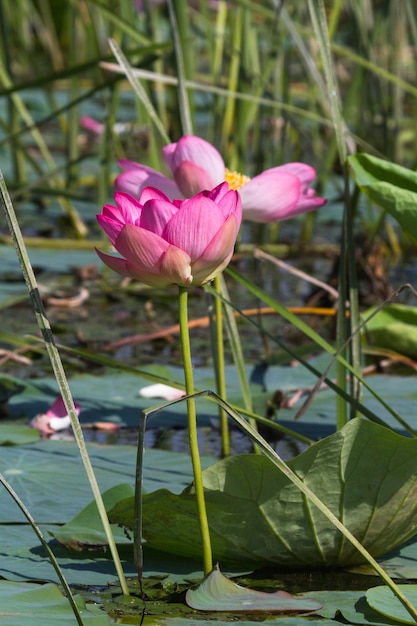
[(13, 435), (390, 186), (43, 605), (365, 473), (24, 558), (47, 259), (394, 327), (85, 531), (50, 478)]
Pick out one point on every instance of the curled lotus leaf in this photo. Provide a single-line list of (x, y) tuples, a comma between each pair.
[(218, 593), (366, 474)]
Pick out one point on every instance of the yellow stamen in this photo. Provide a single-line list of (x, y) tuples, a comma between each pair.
[(235, 179)]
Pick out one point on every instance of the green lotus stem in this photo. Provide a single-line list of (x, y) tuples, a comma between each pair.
[(192, 430), (220, 373)]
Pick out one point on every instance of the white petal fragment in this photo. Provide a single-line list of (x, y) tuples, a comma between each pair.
[(160, 391)]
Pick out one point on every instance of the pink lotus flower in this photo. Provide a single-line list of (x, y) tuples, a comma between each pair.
[(276, 194), (55, 419), (177, 242)]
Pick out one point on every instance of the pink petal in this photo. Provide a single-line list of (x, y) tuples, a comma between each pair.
[(129, 208), (309, 202), (222, 243), (304, 172), (175, 265), (141, 248), (204, 167), (194, 225), (113, 218), (128, 165), (191, 178), (231, 204), (111, 227), (57, 409), (153, 193), (218, 192), (271, 196), (196, 150), (204, 273), (137, 177), (217, 254), (156, 214), (168, 154), (112, 212), (123, 267)]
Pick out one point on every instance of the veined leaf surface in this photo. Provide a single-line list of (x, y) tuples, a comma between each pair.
[(365, 474)]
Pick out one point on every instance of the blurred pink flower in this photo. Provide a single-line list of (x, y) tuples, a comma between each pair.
[(177, 242), (276, 194), (92, 125), (55, 419)]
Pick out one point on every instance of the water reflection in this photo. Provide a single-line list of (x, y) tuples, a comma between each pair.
[(176, 440)]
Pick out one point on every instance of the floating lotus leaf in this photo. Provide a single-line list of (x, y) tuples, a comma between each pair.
[(383, 600), (43, 605), (218, 593), (13, 435), (365, 474)]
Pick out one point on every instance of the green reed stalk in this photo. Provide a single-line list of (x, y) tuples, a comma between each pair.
[(139, 90), (22, 110), (153, 30), (74, 91), (233, 80), (13, 119), (107, 147), (237, 352), (192, 430), (347, 276), (219, 365), (59, 371), (184, 54)]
